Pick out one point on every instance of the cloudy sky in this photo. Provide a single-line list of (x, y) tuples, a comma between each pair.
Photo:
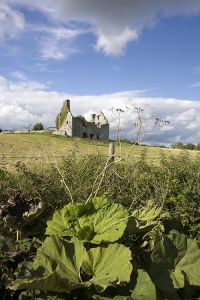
[(101, 54)]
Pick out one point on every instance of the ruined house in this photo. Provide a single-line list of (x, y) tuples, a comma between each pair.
[(67, 125)]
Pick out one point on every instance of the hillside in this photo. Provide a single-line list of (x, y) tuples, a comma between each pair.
[(40, 149)]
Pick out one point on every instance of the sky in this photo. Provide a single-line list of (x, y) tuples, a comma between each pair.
[(102, 55)]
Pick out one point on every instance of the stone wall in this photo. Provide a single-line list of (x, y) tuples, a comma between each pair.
[(22, 131), (67, 126)]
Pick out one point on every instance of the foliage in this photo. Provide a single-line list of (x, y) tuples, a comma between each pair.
[(61, 116), (188, 146), (63, 271), (118, 265), (175, 263), (82, 119), (197, 147), (125, 141), (6, 181), (177, 145), (15, 245), (173, 184), (38, 126), (97, 221), (144, 222), (143, 288)]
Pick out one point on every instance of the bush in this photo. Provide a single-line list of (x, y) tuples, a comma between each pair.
[(189, 146), (126, 141), (177, 145), (38, 126), (82, 119)]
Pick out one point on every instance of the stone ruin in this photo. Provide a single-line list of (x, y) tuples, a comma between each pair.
[(67, 125)]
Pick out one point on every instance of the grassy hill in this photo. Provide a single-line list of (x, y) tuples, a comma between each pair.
[(41, 149)]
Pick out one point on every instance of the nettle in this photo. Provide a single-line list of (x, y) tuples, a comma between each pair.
[(100, 250)]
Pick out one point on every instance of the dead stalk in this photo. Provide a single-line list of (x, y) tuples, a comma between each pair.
[(141, 131), (63, 180)]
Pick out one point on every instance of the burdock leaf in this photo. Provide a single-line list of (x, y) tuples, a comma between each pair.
[(62, 266), (144, 288), (56, 267), (108, 266), (175, 258), (146, 218), (99, 297), (98, 221)]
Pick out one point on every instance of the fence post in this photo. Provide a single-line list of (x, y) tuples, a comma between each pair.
[(111, 151)]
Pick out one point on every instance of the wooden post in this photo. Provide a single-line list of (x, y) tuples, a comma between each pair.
[(111, 151)]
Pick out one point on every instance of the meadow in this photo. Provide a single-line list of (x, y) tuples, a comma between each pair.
[(65, 192), (41, 149)]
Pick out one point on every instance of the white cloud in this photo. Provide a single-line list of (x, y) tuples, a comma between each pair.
[(196, 84), (11, 22), (114, 22), (56, 42), (37, 67), (26, 103), (26, 86), (14, 116), (18, 75), (115, 44), (186, 116), (192, 126)]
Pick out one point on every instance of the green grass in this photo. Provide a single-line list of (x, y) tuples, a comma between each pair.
[(38, 150)]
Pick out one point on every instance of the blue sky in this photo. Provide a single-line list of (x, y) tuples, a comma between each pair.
[(101, 54)]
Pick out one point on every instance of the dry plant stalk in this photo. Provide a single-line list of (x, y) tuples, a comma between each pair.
[(63, 180), (140, 126)]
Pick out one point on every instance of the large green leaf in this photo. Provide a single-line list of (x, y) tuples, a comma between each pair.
[(40, 295), (56, 267), (62, 266), (99, 297), (174, 259), (146, 218), (108, 266), (144, 289), (98, 221)]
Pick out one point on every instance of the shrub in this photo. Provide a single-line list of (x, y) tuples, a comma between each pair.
[(82, 119), (38, 126)]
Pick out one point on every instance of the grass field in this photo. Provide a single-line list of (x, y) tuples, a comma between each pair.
[(40, 149)]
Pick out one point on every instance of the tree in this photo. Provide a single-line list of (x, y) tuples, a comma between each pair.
[(38, 126), (189, 146), (177, 145), (197, 146)]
